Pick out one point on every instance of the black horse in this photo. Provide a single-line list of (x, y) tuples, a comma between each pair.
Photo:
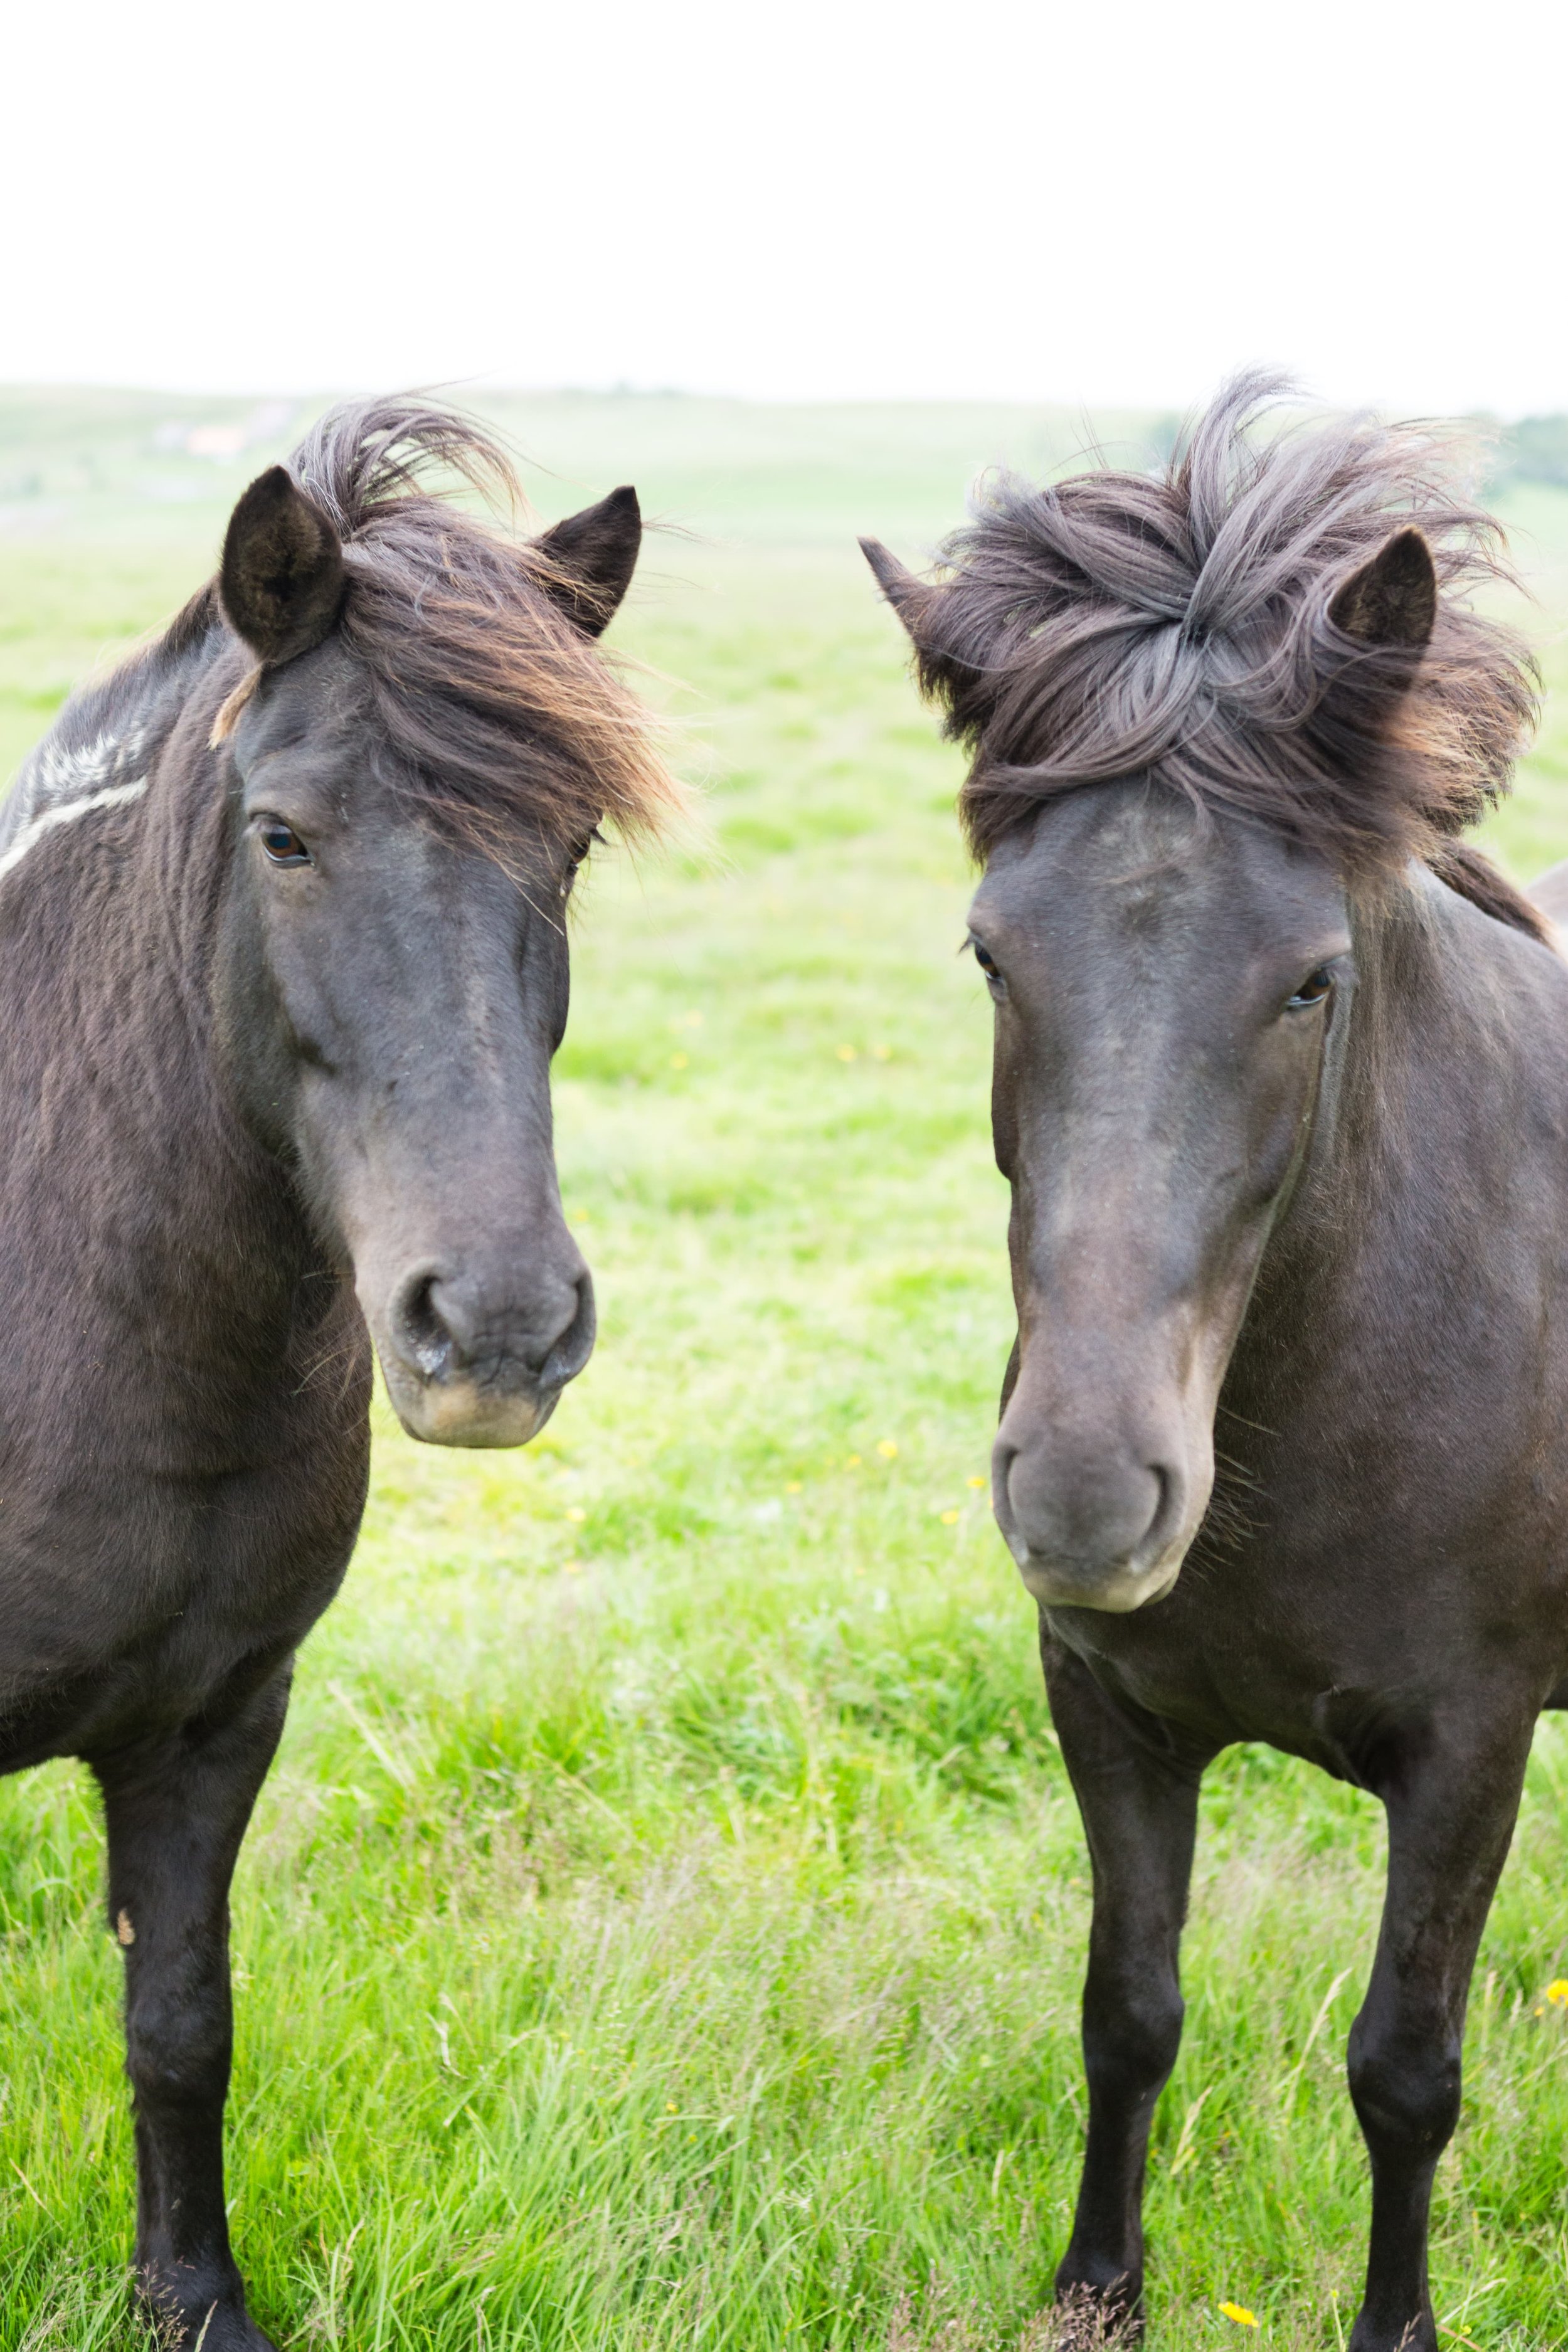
[(282, 966), (1282, 1090)]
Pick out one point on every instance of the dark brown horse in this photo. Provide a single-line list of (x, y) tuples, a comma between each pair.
[(282, 967), (1282, 1090)]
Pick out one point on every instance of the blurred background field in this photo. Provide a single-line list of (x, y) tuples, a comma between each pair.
[(663, 1927)]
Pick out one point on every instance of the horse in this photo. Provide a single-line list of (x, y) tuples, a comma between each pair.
[(283, 963), (1280, 1090)]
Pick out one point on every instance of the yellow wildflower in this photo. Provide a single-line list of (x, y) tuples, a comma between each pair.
[(847, 1054), (792, 1486), (852, 1462), (977, 1482), (678, 1061), (1240, 2313), (1557, 1991), (576, 1516), (949, 1518), (888, 1449)]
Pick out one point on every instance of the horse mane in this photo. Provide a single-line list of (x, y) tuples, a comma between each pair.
[(1176, 627), (496, 711)]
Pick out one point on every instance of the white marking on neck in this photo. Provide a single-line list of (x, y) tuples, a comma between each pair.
[(65, 812), (55, 773), (59, 784)]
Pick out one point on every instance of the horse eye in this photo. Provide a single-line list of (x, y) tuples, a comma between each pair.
[(986, 960), (576, 859), (281, 843), (1313, 989)]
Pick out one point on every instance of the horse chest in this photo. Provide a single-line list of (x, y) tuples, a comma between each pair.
[(124, 1613), (1323, 1649)]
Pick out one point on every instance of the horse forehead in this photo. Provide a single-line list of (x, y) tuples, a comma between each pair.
[(322, 703), (1129, 862), (1135, 866)]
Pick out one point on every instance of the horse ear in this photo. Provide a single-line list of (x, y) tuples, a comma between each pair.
[(1393, 599), (940, 672), (909, 598), (281, 579), (592, 557)]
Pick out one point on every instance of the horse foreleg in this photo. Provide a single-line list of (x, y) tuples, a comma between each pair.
[(1140, 1812), (176, 1811), (1451, 1808)]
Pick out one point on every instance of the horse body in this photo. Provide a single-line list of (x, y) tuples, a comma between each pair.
[(282, 967), (182, 1396), (1282, 1091), (1392, 1544)]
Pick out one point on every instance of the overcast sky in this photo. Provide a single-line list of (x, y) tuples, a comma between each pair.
[(830, 198)]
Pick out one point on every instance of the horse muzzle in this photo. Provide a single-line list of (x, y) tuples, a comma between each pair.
[(477, 1363), (1101, 1527)]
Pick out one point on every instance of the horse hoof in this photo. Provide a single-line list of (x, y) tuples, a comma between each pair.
[(222, 2325), (215, 2331), (1088, 2315), (1419, 2334)]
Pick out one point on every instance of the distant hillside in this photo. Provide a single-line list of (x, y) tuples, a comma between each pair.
[(134, 465), (1535, 449), (147, 467)]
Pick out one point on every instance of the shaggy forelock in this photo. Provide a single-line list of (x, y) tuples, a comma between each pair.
[(497, 713), (1176, 627)]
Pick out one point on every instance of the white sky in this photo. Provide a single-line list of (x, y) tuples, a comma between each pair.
[(821, 199)]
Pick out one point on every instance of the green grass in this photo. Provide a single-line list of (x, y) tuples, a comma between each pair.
[(663, 1927)]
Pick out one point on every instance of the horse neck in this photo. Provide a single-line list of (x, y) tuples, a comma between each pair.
[(123, 1167)]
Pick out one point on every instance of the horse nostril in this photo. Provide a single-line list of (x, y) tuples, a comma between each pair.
[(571, 1350), (1003, 1456), (423, 1330), (446, 1326)]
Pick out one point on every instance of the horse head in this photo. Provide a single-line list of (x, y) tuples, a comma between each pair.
[(1213, 717), (419, 750)]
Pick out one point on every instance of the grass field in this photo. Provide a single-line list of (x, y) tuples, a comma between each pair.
[(663, 1927)]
